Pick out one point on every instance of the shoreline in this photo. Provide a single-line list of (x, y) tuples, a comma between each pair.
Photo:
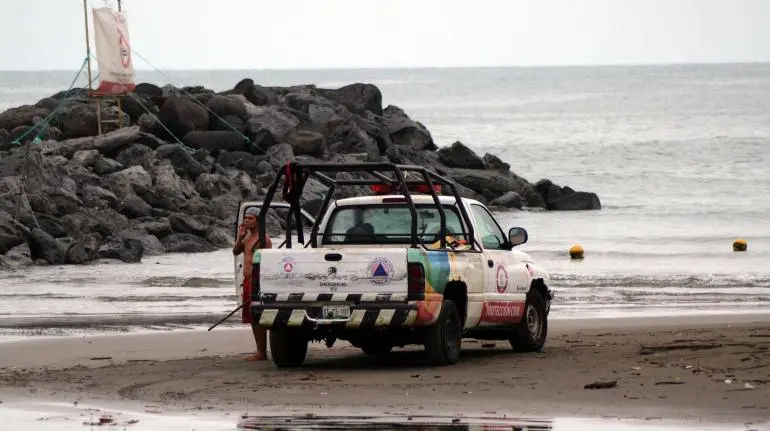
[(674, 368)]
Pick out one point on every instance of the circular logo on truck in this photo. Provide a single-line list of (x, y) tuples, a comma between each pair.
[(380, 270), (502, 279)]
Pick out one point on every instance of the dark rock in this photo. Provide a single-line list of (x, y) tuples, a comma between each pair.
[(279, 121), (21, 116), (260, 138), (50, 224), (211, 185), (306, 142), (458, 155), (127, 181), (186, 243), (16, 258), (149, 140), (222, 105), (44, 246), (185, 164), (136, 154), (160, 227), (104, 222), (149, 90), (105, 166), (85, 158), (565, 198), (358, 98), (76, 121), (136, 105), (279, 155), (493, 162), (172, 190), (151, 245), (185, 223), (123, 249), (182, 115), (135, 207), (228, 123), (85, 249), (216, 141), (67, 148), (219, 237), (508, 200), (242, 161), (406, 132), (109, 143), (96, 197), (54, 201), (12, 232)]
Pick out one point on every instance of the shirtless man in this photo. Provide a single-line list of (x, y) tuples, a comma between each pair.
[(248, 240)]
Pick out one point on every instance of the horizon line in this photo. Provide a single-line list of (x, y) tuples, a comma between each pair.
[(338, 68)]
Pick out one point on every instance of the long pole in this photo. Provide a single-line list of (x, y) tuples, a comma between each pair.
[(88, 44), (119, 9)]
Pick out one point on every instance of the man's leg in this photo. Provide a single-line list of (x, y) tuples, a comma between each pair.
[(260, 337)]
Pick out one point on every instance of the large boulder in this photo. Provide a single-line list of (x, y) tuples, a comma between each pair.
[(12, 232), (406, 132), (21, 116), (559, 198), (182, 115), (358, 98), (458, 155)]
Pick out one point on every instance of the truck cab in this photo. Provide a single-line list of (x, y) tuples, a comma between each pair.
[(404, 266)]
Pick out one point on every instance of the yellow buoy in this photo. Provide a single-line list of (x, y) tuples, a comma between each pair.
[(576, 252), (740, 245)]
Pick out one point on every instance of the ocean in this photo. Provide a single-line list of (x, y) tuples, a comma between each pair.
[(679, 156)]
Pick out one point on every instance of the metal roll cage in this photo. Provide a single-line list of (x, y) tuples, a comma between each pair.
[(296, 175)]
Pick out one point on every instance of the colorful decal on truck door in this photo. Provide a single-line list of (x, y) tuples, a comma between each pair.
[(502, 279), (502, 312), (380, 270), (437, 269)]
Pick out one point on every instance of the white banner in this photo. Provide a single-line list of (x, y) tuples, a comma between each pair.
[(113, 52)]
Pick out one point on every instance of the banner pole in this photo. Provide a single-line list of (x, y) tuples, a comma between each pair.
[(88, 44)]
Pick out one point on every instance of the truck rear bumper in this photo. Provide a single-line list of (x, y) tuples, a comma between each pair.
[(373, 315)]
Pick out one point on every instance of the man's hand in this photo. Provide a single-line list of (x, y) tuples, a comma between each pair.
[(241, 232)]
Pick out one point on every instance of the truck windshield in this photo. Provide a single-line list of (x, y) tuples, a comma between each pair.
[(389, 224)]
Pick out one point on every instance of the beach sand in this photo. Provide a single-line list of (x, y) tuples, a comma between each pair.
[(714, 368)]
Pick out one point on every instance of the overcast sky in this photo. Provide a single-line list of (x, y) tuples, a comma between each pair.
[(264, 34)]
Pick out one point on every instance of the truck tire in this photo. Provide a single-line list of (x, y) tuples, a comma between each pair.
[(444, 337), (531, 332), (288, 348)]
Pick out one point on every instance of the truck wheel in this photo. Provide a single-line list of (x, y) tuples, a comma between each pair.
[(288, 348), (531, 332), (444, 337)]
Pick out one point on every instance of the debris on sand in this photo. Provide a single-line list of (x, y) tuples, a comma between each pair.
[(601, 384)]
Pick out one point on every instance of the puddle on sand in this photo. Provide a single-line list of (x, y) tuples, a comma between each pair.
[(44, 416), (414, 423)]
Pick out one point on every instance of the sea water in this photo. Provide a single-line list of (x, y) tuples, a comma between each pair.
[(679, 156)]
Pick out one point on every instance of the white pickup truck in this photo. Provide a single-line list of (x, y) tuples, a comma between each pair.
[(394, 269)]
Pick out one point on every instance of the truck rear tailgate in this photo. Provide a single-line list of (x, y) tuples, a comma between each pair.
[(366, 271)]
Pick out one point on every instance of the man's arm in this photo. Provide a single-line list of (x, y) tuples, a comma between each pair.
[(238, 246)]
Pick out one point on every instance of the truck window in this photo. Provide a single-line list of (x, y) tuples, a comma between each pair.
[(492, 237), (389, 224)]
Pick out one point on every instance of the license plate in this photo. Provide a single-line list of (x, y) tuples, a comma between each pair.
[(335, 311)]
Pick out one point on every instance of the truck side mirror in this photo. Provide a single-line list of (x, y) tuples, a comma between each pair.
[(517, 236)]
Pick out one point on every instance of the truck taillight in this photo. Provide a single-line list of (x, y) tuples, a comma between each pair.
[(255, 283), (415, 282)]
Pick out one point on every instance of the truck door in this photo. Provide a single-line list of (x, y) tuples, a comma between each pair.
[(503, 301)]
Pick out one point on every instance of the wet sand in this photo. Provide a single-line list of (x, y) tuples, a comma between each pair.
[(714, 368)]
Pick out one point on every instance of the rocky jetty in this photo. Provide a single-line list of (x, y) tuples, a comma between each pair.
[(170, 179)]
